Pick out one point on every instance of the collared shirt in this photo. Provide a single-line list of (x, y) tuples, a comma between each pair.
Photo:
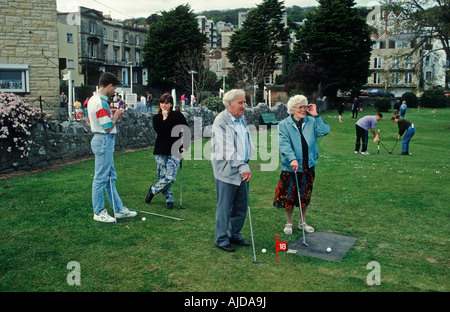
[(99, 114), (242, 133)]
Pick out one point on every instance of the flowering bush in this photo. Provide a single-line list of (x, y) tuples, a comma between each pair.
[(15, 123)]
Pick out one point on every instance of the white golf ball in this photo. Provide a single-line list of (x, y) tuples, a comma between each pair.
[(143, 219), (328, 249), (264, 250)]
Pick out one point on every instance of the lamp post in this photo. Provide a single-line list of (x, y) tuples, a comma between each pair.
[(131, 75), (192, 72)]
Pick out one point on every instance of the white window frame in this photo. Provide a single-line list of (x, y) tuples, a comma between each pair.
[(377, 63), (377, 78), (408, 78), (5, 85)]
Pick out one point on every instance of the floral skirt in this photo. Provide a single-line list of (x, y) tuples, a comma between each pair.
[(286, 194)]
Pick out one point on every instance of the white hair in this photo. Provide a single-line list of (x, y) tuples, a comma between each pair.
[(230, 95), (293, 101)]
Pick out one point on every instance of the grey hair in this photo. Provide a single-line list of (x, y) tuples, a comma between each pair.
[(296, 99), (230, 95)]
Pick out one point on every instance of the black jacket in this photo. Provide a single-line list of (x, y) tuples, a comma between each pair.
[(163, 128)]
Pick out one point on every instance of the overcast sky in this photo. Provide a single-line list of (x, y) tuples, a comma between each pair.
[(123, 9)]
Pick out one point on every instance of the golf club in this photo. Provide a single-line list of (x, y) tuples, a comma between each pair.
[(394, 146), (181, 173), (158, 215), (378, 141), (385, 147), (112, 201), (250, 220), (181, 184), (301, 212)]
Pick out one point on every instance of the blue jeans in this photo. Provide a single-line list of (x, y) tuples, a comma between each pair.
[(166, 168), (403, 113), (105, 176), (230, 212), (406, 138)]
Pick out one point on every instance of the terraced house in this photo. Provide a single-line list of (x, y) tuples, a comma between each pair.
[(103, 45)]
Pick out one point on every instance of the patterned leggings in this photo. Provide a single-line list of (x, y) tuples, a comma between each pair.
[(167, 168)]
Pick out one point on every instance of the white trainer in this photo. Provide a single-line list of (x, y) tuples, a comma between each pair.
[(365, 153), (125, 213), (103, 216)]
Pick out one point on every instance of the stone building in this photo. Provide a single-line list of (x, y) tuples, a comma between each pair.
[(29, 50), (104, 45)]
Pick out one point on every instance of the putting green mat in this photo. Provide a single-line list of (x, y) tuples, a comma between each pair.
[(319, 242)]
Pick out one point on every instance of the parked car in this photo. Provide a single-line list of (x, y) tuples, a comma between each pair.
[(380, 93), (363, 93), (384, 93)]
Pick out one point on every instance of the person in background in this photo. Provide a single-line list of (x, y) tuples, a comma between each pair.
[(362, 132), (149, 102), (340, 111), (403, 108), (407, 128), (299, 149), (355, 107)]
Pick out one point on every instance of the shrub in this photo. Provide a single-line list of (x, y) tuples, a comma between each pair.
[(16, 120), (383, 105), (214, 103), (410, 98), (433, 98)]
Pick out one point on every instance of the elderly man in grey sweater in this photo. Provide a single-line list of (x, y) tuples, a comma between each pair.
[(231, 150)]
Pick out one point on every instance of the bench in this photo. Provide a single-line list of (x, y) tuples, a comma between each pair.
[(269, 119)]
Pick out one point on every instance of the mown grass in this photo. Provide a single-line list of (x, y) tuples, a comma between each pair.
[(396, 207)]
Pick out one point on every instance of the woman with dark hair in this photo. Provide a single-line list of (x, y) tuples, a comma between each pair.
[(167, 155), (404, 127)]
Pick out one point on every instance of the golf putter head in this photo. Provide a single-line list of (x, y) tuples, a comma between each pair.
[(256, 261)]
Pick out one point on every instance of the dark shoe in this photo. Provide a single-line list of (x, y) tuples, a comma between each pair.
[(404, 153), (149, 196), (169, 205), (240, 242), (227, 248)]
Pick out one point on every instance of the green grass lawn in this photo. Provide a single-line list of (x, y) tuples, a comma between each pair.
[(394, 205)]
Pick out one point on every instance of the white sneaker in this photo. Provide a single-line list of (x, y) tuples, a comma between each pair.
[(365, 153), (103, 216), (356, 152), (125, 213)]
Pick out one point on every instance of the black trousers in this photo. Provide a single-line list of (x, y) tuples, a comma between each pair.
[(361, 135)]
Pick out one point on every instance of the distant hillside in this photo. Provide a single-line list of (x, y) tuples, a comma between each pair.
[(295, 15)]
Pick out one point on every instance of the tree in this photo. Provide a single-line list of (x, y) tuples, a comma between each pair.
[(254, 48), (172, 32), (427, 20), (305, 77), (336, 39), (203, 79)]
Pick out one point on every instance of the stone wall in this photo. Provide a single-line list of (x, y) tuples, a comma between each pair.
[(55, 141)]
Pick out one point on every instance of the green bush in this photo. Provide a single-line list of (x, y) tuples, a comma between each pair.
[(383, 105), (410, 98), (433, 98), (214, 103)]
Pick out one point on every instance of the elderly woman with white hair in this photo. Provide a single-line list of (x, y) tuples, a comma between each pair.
[(299, 149)]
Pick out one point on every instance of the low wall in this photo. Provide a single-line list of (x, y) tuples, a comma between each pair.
[(55, 141)]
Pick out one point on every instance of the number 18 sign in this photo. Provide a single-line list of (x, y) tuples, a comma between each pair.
[(280, 246)]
